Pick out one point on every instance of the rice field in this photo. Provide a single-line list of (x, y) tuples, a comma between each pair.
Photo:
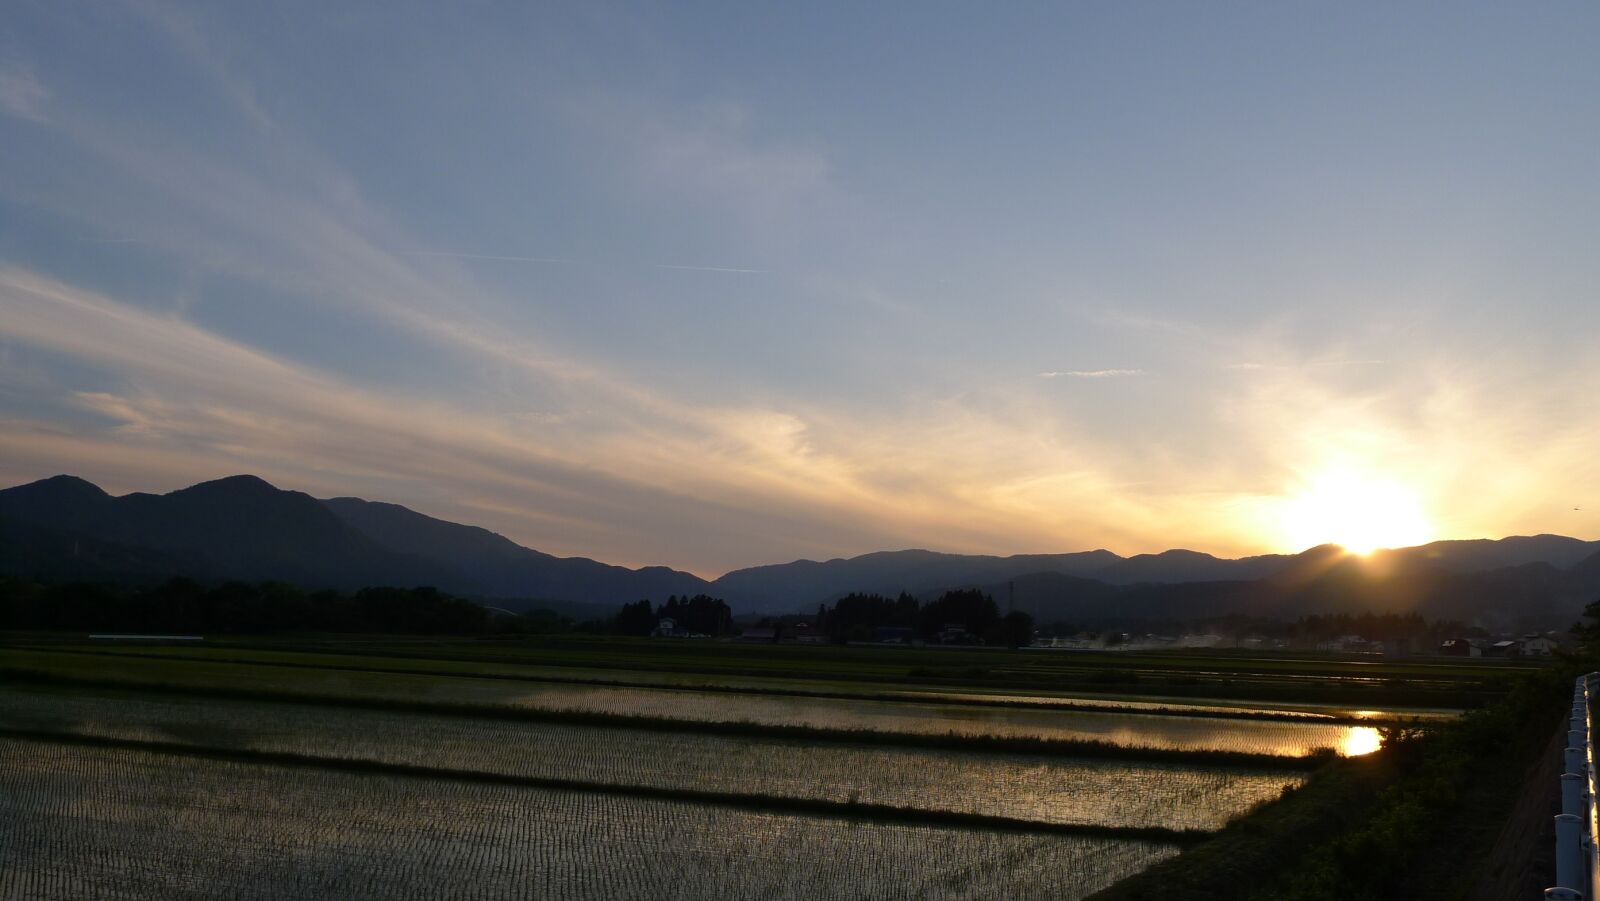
[(94, 822), (260, 773), (1101, 792), (914, 690), (1127, 729)]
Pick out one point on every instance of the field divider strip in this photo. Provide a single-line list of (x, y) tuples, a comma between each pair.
[(850, 810), (952, 741), (909, 696)]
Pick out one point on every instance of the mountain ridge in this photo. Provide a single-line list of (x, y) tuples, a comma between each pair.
[(243, 527)]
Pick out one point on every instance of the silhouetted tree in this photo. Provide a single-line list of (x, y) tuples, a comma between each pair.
[(636, 618), (969, 608)]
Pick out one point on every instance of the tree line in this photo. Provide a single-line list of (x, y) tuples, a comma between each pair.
[(183, 606), (964, 616), (700, 614)]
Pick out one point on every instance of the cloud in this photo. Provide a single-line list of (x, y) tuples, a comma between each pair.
[(574, 453), (711, 155), (21, 94), (455, 255), (1090, 373)]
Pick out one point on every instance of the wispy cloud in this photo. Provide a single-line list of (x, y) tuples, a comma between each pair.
[(456, 255), (710, 269), (21, 94), (1090, 373)]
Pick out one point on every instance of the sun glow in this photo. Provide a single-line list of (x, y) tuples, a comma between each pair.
[(1360, 740), (1357, 513)]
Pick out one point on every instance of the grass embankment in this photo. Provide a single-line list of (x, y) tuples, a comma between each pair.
[(848, 810), (953, 741), (1416, 820), (908, 694)]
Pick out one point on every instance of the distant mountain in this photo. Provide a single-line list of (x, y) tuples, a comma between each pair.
[(40, 552), (801, 585), (1582, 579), (1189, 566), (244, 528), (1481, 554), (495, 566), (234, 528), (1321, 580)]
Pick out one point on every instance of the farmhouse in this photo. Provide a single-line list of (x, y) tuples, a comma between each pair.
[(1539, 646)]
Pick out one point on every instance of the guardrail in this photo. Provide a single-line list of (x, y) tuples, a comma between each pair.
[(1578, 824)]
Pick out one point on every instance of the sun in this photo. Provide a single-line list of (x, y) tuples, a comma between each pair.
[(1359, 513)]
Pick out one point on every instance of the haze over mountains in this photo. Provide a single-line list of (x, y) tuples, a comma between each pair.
[(244, 528)]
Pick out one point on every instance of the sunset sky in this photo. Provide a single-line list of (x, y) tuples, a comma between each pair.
[(712, 285)]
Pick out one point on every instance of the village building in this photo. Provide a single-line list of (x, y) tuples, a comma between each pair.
[(1539, 646), (1509, 648)]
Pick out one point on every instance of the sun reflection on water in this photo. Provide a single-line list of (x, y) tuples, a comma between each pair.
[(1360, 740)]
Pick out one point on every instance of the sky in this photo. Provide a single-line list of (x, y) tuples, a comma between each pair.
[(718, 284)]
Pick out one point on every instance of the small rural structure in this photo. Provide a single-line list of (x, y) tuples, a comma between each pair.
[(1509, 648), (1539, 646)]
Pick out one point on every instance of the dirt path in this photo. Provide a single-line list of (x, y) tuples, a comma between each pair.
[(1522, 864)]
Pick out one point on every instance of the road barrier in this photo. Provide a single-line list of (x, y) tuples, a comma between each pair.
[(1578, 823)]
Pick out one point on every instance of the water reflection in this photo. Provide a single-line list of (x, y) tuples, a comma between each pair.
[(1359, 740)]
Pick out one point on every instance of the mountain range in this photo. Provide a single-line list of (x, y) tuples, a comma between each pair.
[(243, 528)]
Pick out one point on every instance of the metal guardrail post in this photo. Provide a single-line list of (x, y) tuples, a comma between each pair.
[(1570, 864), (1573, 794), (1583, 696), (1578, 824)]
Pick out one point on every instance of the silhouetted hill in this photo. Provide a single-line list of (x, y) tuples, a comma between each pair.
[(50, 555), (1318, 574), (1476, 555), (1189, 566), (244, 528), (1320, 580), (1582, 579), (803, 584), (497, 567), (234, 528)]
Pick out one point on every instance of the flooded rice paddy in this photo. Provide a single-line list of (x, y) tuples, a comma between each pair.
[(1100, 792), (103, 823), (922, 717)]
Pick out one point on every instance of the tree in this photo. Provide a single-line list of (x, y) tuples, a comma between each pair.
[(1017, 629), (969, 608), (1588, 633), (635, 619)]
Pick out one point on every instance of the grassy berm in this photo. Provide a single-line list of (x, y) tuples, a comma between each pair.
[(1418, 819)]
